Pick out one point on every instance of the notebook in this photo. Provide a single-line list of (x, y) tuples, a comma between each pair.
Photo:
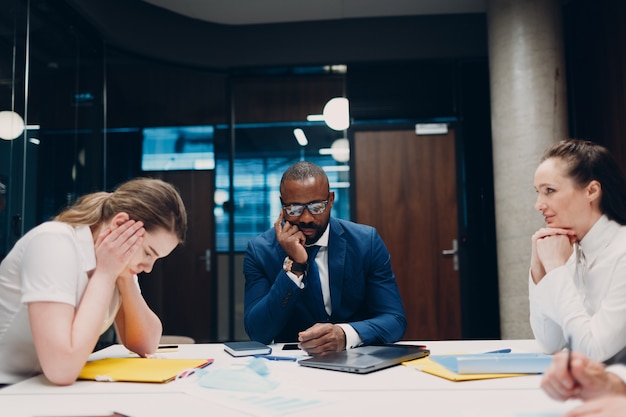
[(140, 369), (247, 348), (366, 359)]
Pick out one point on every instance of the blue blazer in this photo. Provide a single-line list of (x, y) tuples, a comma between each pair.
[(363, 288)]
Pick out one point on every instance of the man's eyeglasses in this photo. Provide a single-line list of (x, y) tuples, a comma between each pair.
[(315, 207)]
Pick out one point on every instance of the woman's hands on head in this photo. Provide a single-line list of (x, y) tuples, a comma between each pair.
[(116, 244)]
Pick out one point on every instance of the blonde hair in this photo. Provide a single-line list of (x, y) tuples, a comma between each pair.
[(154, 202)]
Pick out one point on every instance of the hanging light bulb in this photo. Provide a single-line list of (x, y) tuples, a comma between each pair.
[(11, 125), (340, 150), (337, 114)]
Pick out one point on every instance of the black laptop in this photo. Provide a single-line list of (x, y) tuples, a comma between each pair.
[(366, 359)]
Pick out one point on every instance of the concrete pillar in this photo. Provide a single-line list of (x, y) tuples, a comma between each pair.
[(528, 113)]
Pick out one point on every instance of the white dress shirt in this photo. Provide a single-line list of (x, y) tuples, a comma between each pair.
[(352, 337), (592, 310)]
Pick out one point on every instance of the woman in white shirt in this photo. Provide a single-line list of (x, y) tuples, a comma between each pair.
[(66, 281), (577, 282)]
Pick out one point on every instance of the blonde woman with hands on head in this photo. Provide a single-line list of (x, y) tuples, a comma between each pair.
[(577, 280), (66, 281)]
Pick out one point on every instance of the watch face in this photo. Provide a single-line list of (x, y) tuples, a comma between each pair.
[(287, 264), (290, 266)]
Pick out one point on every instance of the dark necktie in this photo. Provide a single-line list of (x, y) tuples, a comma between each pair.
[(313, 283)]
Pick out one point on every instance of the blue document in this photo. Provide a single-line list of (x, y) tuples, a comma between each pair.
[(495, 363)]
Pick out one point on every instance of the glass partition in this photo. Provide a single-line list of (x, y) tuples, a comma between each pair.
[(257, 173), (14, 23)]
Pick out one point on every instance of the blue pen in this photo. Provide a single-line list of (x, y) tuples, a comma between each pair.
[(507, 350), (277, 358)]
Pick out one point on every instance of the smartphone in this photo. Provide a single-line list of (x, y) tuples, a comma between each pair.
[(291, 346)]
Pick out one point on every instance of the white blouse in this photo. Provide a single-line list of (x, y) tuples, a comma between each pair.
[(590, 310)]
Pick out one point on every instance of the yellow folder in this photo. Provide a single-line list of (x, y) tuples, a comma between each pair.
[(431, 367), (140, 369)]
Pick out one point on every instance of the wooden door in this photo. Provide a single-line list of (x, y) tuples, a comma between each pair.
[(182, 288), (406, 188)]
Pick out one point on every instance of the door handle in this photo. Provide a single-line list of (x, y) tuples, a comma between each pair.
[(454, 252), (207, 260)]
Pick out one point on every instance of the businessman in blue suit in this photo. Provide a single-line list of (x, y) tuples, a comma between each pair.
[(344, 296)]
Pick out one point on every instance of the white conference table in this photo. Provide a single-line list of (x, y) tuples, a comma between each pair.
[(299, 391)]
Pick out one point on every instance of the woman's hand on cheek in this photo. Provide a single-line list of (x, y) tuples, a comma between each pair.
[(116, 245)]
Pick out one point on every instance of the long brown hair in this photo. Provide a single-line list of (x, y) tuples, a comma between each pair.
[(154, 202)]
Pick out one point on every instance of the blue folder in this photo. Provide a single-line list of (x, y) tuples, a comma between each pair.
[(495, 363)]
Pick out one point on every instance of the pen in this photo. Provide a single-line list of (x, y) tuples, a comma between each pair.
[(188, 372), (569, 355), (507, 350), (277, 358)]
